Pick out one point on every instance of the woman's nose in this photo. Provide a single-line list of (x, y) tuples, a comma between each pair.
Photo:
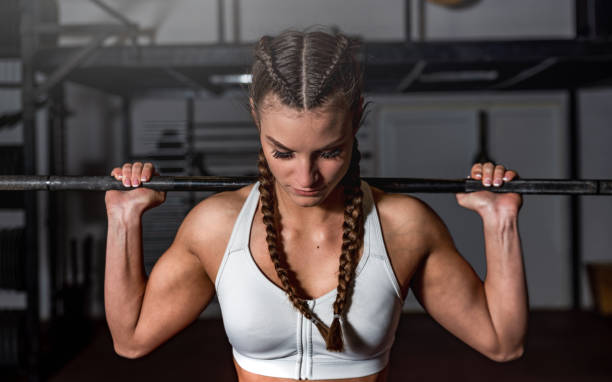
[(307, 173)]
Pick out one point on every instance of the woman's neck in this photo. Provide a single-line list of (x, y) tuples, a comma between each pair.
[(291, 213)]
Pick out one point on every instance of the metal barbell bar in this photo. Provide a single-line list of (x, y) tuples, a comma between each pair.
[(221, 183)]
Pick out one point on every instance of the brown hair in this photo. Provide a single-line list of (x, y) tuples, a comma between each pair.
[(307, 70)]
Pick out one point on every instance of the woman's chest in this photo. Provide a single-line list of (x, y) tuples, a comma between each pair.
[(311, 261)]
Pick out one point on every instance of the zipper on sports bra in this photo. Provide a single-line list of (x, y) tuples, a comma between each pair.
[(299, 358), (304, 346)]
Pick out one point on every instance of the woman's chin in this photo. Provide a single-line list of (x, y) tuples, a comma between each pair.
[(308, 201), (308, 198)]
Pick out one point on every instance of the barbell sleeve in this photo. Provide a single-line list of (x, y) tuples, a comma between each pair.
[(219, 183)]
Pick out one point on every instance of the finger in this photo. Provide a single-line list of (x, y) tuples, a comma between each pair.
[(117, 173), (509, 175), (127, 174), (147, 171), (476, 171), (136, 171), (498, 174), (487, 174)]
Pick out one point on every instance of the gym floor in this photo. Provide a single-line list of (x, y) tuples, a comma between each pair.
[(561, 346)]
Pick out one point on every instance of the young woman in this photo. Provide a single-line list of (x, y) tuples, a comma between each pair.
[(310, 264)]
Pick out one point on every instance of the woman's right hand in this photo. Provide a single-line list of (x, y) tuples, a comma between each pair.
[(133, 202)]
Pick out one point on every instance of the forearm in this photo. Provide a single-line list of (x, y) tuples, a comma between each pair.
[(505, 284), (125, 277)]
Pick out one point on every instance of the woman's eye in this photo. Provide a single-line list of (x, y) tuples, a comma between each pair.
[(330, 154), (282, 154)]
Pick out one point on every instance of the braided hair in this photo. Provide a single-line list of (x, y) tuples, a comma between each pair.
[(307, 70)]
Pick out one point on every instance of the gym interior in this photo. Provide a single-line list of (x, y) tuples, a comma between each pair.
[(86, 85)]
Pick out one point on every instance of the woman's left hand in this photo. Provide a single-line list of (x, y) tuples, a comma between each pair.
[(484, 202)]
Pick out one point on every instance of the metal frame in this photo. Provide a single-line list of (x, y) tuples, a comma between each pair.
[(517, 65), (56, 202), (29, 42), (575, 202), (219, 183)]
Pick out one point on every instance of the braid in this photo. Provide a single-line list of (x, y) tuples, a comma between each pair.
[(280, 84), (352, 239), (268, 210), (327, 79)]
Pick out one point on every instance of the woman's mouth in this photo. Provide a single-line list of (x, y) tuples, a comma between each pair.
[(307, 192)]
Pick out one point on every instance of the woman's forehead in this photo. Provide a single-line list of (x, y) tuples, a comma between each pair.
[(287, 120), (299, 128)]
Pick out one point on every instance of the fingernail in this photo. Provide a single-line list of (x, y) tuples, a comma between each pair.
[(497, 182), (487, 182), (478, 176), (126, 182), (143, 179), (505, 178)]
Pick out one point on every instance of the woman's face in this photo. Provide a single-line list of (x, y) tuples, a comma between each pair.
[(308, 152)]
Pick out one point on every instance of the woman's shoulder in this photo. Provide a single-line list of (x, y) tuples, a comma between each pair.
[(209, 224), (399, 206), (402, 213), (221, 207)]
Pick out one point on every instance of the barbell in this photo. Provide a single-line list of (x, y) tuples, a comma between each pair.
[(221, 183)]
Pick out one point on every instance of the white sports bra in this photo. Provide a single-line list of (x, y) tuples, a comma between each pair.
[(270, 337)]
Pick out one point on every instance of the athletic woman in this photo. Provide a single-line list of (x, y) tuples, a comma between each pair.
[(310, 264)]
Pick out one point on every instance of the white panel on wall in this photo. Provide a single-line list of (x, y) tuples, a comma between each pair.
[(532, 138), (414, 141), (436, 137), (186, 21), (89, 131), (500, 19), (12, 218), (12, 299), (152, 118), (225, 136), (10, 100), (370, 19), (176, 21), (159, 128), (430, 144)]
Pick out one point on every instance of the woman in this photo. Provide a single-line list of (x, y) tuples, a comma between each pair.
[(311, 245)]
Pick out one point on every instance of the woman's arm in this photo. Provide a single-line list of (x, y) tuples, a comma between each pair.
[(491, 316), (505, 285), (144, 312)]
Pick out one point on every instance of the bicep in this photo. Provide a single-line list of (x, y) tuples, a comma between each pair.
[(452, 293), (181, 283), (177, 291)]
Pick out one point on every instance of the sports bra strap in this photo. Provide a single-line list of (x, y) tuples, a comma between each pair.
[(242, 228)]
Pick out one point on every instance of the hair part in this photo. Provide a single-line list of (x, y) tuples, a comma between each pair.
[(307, 70)]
